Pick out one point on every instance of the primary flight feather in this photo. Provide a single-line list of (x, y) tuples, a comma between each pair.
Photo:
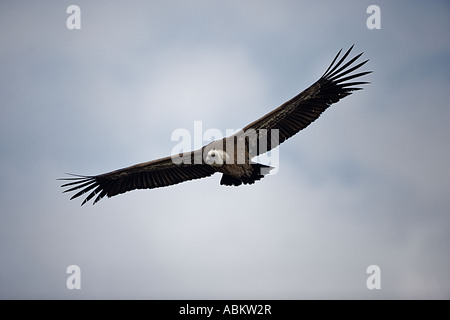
[(232, 155)]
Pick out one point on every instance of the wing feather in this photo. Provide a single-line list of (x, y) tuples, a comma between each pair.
[(154, 174), (299, 112)]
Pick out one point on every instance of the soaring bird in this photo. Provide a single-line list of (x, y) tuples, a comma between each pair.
[(231, 156)]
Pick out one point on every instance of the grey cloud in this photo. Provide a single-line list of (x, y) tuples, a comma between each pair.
[(365, 184)]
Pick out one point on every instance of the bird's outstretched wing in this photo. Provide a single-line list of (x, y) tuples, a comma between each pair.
[(154, 174), (299, 112)]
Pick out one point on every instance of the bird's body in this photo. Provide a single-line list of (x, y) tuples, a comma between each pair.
[(231, 156)]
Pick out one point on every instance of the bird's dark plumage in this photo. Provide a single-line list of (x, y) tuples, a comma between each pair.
[(294, 115), (148, 175)]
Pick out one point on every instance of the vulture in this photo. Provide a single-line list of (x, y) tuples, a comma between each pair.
[(231, 156)]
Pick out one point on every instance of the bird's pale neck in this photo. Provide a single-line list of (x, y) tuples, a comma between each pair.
[(217, 158)]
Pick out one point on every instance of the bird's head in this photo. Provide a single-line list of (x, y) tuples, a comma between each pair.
[(216, 157)]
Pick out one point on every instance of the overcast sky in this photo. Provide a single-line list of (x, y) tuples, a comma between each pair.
[(366, 184)]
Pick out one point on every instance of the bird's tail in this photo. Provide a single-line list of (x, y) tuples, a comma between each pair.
[(259, 171)]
